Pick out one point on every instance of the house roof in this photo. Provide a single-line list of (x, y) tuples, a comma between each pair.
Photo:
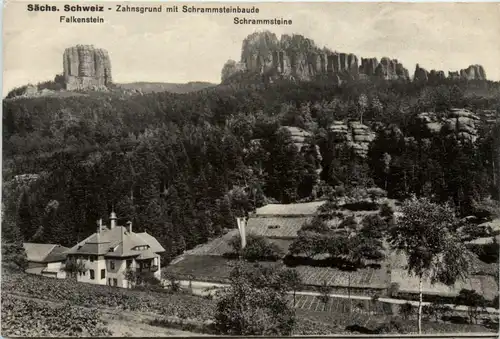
[(117, 242), (276, 227), (301, 209), (45, 253)]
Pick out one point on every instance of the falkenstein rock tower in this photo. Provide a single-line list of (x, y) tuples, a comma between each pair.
[(86, 67)]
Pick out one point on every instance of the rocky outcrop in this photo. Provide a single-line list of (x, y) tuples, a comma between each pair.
[(302, 140), (458, 122), (453, 75), (473, 72), (435, 76), (299, 136), (298, 58), (422, 75), (389, 69), (353, 134), (86, 67)]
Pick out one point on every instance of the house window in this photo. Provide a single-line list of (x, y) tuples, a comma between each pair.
[(115, 282), (92, 274), (103, 274), (109, 281), (92, 258), (129, 263), (112, 264)]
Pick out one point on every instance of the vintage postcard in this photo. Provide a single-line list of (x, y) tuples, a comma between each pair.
[(274, 169)]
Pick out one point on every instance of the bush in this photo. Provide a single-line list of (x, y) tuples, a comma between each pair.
[(406, 310), (316, 225), (474, 302), (257, 248), (255, 304), (374, 226), (376, 193), (386, 210), (349, 223)]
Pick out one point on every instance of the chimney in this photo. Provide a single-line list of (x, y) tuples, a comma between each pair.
[(112, 220), (129, 224), (241, 226), (99, 225)]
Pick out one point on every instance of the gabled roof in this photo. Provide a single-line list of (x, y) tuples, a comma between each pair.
[(45, 253), (301, 209), (116, 242)]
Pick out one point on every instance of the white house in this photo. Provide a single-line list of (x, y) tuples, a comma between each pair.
[(46, 259), (110, 252)]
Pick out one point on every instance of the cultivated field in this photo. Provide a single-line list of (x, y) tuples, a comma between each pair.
[(367, 277), (34, 305)]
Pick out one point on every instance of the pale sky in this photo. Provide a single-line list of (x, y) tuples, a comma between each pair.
[(182, 47)]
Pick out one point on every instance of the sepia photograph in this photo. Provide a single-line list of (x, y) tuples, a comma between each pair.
[(176, 169)]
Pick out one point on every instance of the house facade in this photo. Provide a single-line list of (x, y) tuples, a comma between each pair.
[(112, 252), (46, 259)]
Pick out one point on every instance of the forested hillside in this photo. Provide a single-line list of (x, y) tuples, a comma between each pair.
[(182, 166)]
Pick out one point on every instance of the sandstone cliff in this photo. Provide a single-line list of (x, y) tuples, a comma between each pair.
[(302, 140), (86, 67), (473, 72), (298, 58), (458, 122), (295, 57), (353, 134), (386, 69), (422, 75)]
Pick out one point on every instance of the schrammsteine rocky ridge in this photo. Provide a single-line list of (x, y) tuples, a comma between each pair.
[(298, 58)]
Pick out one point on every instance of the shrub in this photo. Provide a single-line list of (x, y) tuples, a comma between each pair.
[(406, 310), (254, 304), (386, 210), (374, 226), (257, 248), (316, 225), (349, 223), (376, 193), (474, 302)]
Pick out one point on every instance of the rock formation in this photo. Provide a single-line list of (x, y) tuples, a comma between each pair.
[(296, 57), (422, 75), (86, 67), (453, 75), (301, 139), (353, 134), (299, 136), (473, 72), (459, 122)]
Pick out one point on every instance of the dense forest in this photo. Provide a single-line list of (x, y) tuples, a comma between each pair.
[(182, 166)]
